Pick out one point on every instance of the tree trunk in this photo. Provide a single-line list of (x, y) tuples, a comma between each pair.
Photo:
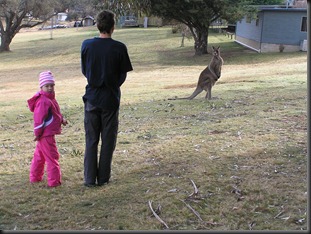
[(5, 42), (182, 39), (200, 42)]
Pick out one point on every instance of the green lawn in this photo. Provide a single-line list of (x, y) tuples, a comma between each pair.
[(245, 150)]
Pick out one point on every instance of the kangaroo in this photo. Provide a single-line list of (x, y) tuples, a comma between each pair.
[(208, 76)]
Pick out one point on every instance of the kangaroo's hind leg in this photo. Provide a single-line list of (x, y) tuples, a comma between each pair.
[(209, 92), (197, 91)]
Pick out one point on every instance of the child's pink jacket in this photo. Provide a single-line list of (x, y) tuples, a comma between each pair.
[(46, 114)]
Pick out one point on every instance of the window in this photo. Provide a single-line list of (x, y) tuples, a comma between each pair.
[(304, 24)]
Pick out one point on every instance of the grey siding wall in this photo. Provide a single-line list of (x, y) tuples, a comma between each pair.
[(275, 28), (249, 30), (283, 28)]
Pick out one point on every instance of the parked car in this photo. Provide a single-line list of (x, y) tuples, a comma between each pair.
[(77, 24), (54, 26), (129, 21)]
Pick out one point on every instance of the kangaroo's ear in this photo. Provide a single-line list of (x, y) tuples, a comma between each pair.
[(218, 47), (213, 47)]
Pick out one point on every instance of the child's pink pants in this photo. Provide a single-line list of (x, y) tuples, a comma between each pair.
[(46, 151)]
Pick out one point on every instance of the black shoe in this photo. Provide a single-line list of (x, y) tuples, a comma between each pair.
[(102, 184), (89, 185)]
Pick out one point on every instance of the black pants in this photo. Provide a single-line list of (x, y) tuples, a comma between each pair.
[(99, 123)]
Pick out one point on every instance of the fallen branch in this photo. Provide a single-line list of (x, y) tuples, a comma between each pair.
[(193, 210), (155, 215), (195, 195), (251, 225), (279, 214), (196, 191), (198, 215), (212, 223)]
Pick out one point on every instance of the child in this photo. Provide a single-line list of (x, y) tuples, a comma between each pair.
[(47, 123)]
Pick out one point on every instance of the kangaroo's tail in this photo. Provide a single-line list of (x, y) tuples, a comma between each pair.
[(193, 95), (178, 98)]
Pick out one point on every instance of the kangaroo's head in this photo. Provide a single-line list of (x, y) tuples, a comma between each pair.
[(216, 51)]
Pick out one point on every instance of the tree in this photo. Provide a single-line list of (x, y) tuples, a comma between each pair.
[(18, 14), (82, 8), (124, 7), (198, 15)]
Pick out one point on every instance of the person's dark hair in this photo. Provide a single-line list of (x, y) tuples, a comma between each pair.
[(105, 21)]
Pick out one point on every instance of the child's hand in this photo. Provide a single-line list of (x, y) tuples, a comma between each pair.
[(64, 122)]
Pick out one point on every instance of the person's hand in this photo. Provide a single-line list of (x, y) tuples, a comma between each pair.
[(64, 122)]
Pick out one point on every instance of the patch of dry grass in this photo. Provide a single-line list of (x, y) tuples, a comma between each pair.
[(245, 150)]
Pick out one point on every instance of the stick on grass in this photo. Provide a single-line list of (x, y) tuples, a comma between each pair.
[(155, 215)]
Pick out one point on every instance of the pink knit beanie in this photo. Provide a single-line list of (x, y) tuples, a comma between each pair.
[(46, 77)]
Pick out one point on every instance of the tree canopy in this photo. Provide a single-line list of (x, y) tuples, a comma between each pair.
[(198, 15), (18, 14)]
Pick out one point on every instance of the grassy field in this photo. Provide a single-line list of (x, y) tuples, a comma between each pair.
[(237, 162)]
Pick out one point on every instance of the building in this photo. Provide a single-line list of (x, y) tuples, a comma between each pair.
[(88, 21), (275, 29), (62, 16)]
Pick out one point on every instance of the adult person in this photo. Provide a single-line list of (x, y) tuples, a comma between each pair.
[(105, 63)]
